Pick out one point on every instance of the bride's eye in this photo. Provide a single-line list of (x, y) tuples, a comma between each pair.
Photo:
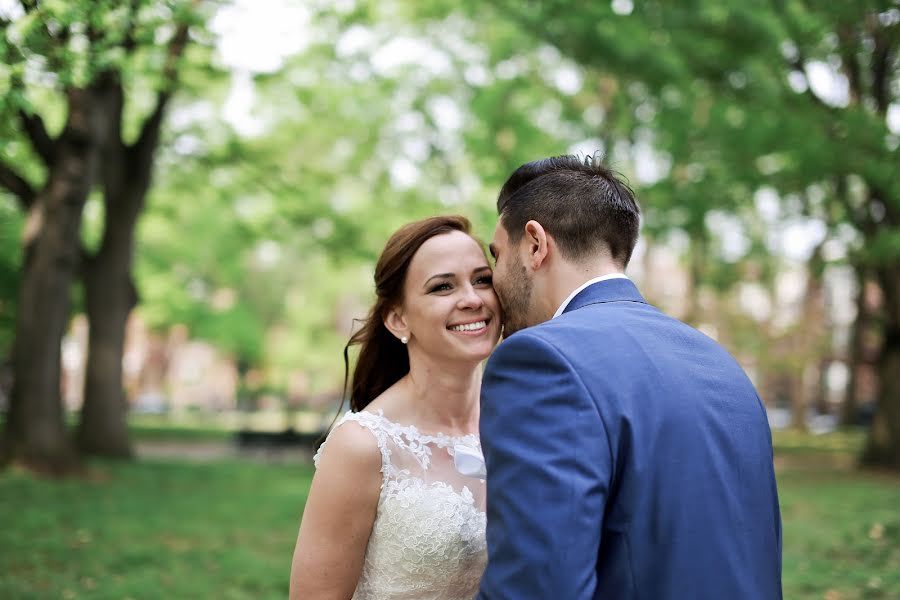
[(484, 280), (441, 287)]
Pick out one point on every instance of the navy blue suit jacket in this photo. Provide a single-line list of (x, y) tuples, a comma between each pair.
[(628, 457)]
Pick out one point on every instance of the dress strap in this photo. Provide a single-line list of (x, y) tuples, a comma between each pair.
[(369, 421)]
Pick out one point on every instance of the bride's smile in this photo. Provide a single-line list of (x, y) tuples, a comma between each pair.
[(473, 328)]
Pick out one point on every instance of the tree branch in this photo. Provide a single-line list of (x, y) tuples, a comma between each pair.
[(881, 67), (859, 216), (149, 136), (850, 62), (41, 141), (128, 42), (17, 185), (112, 96)]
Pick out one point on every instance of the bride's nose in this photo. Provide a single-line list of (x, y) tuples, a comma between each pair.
[(470, 298)]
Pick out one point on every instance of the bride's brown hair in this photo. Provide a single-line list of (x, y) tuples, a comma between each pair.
[(383, 359)]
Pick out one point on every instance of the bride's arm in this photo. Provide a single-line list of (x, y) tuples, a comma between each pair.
[(338, 517)]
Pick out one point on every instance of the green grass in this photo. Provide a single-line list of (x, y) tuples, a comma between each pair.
[(841, 534), (227, 529), (152, 530)]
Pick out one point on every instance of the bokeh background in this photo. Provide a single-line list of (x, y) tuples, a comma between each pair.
[(193, 194)]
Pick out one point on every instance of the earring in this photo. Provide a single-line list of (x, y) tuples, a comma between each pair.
[(404, 340)]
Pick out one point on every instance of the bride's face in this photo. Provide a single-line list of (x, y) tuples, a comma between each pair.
[(449, 307)]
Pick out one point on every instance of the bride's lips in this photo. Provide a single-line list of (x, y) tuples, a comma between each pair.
[(484, 322)]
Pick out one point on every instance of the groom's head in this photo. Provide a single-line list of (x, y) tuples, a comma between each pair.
[(561, 219)]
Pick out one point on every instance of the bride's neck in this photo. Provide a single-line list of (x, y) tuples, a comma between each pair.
[(444, 397)]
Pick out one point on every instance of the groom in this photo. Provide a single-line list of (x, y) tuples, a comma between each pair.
[(628, 455)]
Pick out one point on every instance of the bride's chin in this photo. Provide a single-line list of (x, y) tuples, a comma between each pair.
[(476, 356), (485, 354)]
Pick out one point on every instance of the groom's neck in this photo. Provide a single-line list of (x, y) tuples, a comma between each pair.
[(565, 276)]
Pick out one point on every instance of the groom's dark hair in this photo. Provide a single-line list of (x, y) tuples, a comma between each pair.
[(584, 205)]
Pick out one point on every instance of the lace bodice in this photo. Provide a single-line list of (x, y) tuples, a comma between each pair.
[(427, 542)]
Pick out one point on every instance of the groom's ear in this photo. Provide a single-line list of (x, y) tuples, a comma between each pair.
[(538, 244), (396, 323)]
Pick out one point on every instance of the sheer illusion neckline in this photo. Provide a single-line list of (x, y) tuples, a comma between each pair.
[(412, 432), (428, 537)]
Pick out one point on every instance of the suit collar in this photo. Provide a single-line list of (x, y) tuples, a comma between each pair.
[(611, 290)]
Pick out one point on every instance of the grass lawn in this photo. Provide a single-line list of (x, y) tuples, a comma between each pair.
[(152, 530), (226, 529), (841, 534)]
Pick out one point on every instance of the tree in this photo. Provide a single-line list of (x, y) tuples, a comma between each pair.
[(78, 60), (347, 149), (110, 292), (732, 92)]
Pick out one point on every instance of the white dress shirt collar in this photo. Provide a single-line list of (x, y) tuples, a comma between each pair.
[(565, 303)]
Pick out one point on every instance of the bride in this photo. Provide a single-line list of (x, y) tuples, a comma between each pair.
[(388, 515)]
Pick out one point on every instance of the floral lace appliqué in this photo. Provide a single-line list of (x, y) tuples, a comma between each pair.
[(428, 539)]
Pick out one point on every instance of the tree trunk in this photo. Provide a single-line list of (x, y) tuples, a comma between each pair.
[(109, 288), (696, 265), (858, 351), (798, 400), (110, 296), (816, 334), (35, 430), (806, 343), (35, 434), (820, 395), (883, 445)]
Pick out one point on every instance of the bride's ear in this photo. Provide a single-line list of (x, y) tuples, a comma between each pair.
[(396, 324)]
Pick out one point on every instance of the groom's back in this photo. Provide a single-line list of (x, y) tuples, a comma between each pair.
[(692, 509)]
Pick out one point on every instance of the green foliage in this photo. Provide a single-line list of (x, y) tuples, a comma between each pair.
[(726, 94), (286, 223), (49, 49), (262, 243)]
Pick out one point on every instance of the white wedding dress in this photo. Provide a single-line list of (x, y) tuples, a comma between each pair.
[(427, 542)]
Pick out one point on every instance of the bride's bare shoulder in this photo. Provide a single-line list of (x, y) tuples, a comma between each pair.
[(350, 445)]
